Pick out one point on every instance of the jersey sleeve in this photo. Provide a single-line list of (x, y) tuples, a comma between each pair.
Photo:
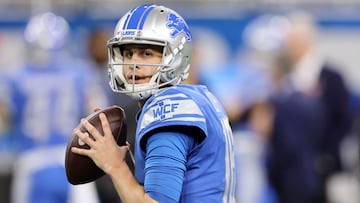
[(166, 160), (173, 111)]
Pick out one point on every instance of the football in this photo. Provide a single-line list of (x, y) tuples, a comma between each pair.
[(81, 169)]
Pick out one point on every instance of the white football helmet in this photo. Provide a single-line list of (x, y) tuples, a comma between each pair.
[(153, 25), (266, 33), (47, 31), (46, 36)]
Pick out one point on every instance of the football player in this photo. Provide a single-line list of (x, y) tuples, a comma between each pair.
[(184, 146), (44, 101)]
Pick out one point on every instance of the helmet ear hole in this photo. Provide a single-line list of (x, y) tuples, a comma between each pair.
[(171, 74)]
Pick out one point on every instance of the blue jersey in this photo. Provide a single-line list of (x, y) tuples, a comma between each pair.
[(210, 167), (45, 104)]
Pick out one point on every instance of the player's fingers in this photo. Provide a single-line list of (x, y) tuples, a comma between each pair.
[(91, 129), (80, 151), (105, 124), (96, 109), (84, 137)]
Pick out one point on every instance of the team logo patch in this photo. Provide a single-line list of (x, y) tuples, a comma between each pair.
[(165, 109), (179, 26)]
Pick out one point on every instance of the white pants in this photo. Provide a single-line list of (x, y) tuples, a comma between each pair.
[(35, 160)]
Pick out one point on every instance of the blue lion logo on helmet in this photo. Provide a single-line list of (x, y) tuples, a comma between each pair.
[(179, 26)]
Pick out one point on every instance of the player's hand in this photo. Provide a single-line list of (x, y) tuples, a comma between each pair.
[(104, 150)]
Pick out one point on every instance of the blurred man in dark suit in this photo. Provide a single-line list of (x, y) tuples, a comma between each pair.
[(312, 75), (312, 109), (325, 99)]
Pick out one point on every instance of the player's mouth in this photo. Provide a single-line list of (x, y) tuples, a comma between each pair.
[(138, 79)]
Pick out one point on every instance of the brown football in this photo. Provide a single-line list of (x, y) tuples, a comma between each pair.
[(81, 169)]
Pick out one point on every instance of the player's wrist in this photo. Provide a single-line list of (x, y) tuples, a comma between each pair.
[(119, 167)]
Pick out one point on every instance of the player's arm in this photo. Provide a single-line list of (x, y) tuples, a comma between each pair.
[(108, 156), (166, 155), (126, 185), (169, 147), (165, 166)]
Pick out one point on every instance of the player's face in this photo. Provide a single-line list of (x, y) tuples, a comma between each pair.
[(141, 54)]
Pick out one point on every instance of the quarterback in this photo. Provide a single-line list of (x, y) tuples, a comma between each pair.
[(184, 147)]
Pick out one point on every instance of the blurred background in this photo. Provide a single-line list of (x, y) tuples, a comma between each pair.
[(338, 20), (235, 55)]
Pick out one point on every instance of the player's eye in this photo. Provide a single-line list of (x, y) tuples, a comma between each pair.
[(148, 52), (128, 54), (151, 52)]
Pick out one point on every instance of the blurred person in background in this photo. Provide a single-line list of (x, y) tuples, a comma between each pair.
[(98, 59), (43, 102), (314, 76), (292, 147), (249, 111), (252, 129), (312, 112)]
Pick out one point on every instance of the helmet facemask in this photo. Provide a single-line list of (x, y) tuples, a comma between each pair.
[(119, 80)]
